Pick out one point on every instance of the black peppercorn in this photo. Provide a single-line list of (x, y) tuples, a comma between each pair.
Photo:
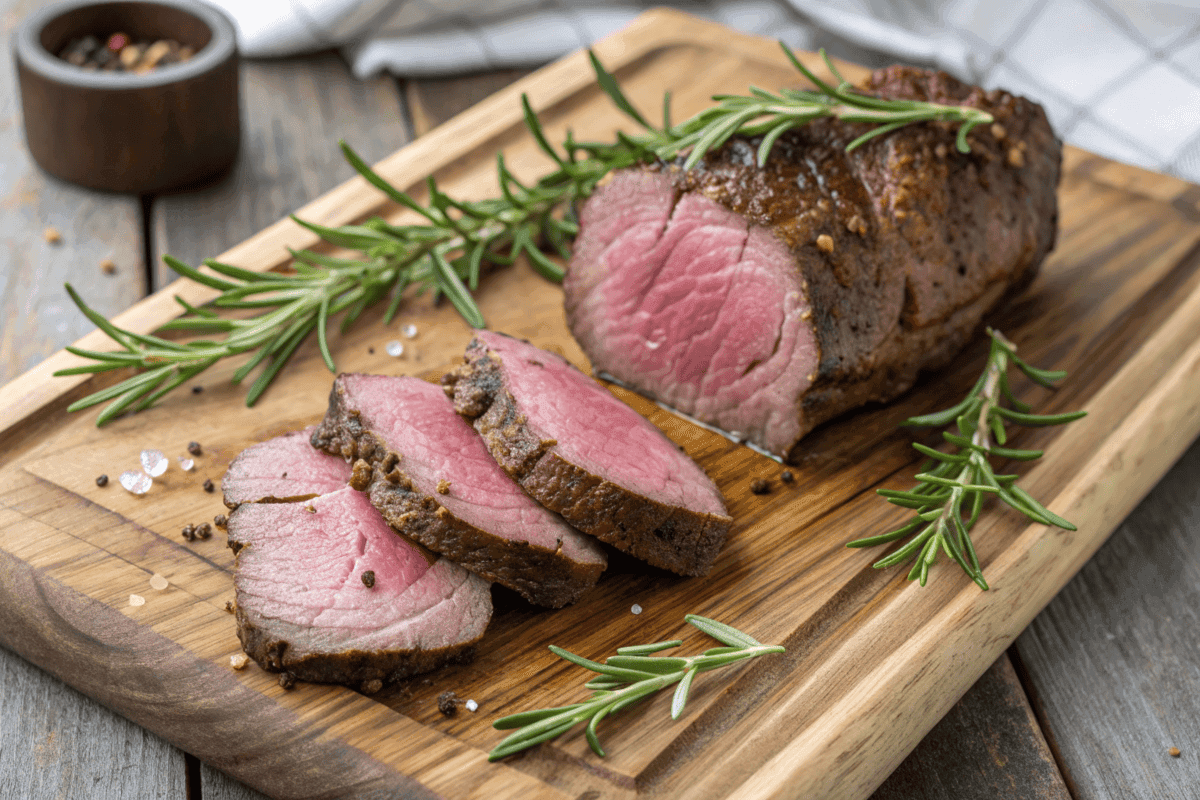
[(760, 486), (221, 521), (194, 448), (208, 485), (787, 476), (102, 480), (287, 680), (197, 389), (204, 531), (368, 579), (448, 703)]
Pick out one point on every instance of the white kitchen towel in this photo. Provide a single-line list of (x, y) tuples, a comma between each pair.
[(1117, 77)]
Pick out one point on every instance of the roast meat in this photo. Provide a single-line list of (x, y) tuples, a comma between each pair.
[(328, 592), (764, 301), (583, 453), (432, 478)]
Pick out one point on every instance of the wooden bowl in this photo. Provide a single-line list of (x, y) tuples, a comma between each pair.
[(125, 132)]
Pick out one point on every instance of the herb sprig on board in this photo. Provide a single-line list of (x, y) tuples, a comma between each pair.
[(952, 485), (451, 242), (625, 679)]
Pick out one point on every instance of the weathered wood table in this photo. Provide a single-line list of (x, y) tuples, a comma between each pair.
[(1086, 704)]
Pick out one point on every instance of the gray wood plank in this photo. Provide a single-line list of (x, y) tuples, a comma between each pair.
[(294, 111), (988, 745), (216, 785), (432, 101), (57, 743), (1113, 663), (54, 741), (36, 316)]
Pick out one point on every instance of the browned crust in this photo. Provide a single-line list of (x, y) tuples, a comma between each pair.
[(270, 644), (540, 575), (935, 187), (678, 539)]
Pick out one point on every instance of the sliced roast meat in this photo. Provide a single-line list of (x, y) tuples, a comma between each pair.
[(582, 452), (304, 606), (432, 478), (283, 470), (765, 301)]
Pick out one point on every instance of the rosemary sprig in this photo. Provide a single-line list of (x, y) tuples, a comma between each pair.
[(625, 679), (771, 114), (949, 497), (454, 240)]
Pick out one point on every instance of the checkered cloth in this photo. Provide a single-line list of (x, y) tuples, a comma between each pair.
[(1117, 77)]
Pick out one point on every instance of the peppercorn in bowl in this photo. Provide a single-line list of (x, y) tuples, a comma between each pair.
[(133, 97)]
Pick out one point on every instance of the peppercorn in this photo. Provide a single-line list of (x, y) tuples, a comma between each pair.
[(368, 579), (760, 486), (221, 521), (787, 476), (189, 532), (448, 703), (287, 680), (197, 389), (102, 480), (204, 531), (208, 485), (194, 448)]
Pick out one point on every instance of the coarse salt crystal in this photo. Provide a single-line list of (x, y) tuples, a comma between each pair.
[(635, 609), (409, 331), (239, 661), (136, 600), (394, 349), (158, 582), (186, 464), (136, 482), (154, 462), (472, 705)]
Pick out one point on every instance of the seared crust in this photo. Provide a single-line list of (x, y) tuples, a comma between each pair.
[(540, 575), (272, 648), (678, 539)]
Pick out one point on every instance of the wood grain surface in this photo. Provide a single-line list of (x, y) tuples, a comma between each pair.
[(1114, 307), (1116, 656), (987, 745)]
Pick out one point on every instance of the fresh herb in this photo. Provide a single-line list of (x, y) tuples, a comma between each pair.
[(950, 495), (453, 241), (625, 679)]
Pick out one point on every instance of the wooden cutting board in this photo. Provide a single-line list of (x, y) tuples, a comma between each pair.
[(872, 661)]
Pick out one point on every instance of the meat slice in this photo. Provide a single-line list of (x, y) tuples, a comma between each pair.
[(765, 301), (304, 607), (583, 453), (432, 478), (283, 470)]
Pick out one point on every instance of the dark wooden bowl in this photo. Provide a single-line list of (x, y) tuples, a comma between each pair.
[(123, 132)]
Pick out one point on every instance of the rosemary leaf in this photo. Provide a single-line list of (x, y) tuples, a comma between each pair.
[(619, 687), (964, 478)]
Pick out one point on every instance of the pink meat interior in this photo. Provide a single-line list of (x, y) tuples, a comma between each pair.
[(707, 312), (418, 421), (284, 467), (304, 564), (598, 432)]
